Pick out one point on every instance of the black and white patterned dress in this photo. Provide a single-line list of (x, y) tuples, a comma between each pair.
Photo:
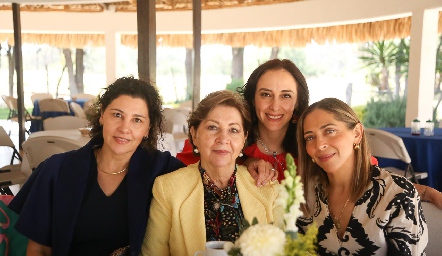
[(386, 220)]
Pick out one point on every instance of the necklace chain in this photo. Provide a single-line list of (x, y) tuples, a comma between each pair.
[(101, 170), (274, 153), (113, 173), (338, 220)]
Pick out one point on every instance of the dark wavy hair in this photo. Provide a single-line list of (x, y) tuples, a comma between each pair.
[(312, 173), (248, 91), (219, 98), (134, 88)]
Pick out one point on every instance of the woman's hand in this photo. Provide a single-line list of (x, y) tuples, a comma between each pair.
[(261, 170)]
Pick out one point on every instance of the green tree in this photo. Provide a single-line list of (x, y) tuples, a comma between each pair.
[(378, 57)]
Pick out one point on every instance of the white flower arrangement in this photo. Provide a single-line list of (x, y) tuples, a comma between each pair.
[(266, 239)]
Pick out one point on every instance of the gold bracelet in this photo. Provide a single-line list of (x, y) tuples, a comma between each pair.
[(423, 193)]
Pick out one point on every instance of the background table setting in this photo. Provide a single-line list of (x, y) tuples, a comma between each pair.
[(425, 153)]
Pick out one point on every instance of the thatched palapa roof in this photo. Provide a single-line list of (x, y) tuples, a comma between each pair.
[(350, 33)]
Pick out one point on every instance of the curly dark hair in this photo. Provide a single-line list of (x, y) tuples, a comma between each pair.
[(249, 89), (219, 98), (135, 88)]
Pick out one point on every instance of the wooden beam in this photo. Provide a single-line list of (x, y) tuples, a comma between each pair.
[(146, 27), (196, 52), (19, 73)]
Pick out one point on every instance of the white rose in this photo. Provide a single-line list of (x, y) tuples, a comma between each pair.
[(262, 240)]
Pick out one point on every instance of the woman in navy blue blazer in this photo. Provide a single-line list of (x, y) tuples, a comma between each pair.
[(95, 200)]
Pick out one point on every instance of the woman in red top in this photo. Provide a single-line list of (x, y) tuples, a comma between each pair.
[(277, 94)]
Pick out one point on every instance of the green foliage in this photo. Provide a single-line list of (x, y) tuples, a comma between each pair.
[(239, 82), (385, 113), (4, 113), (360, 111), (302, 244)]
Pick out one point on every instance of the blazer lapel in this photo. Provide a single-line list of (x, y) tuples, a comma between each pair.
[(141, 176), (68, 198), (251, 206), (194, 232)]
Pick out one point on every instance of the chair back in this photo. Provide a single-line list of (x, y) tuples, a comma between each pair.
[(51, 145), (64, 122), (5, 141), (175, 121), (53, 105), (40, 96), (77, 109), (433, 217), (167, 143), (11, 104), (84, 96), (387, 145)]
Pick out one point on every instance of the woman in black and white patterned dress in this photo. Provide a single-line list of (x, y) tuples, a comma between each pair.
[(359, 209)]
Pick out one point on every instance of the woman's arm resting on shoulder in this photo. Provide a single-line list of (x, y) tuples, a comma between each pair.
[(261, 171), (36, 249), (429, 194)]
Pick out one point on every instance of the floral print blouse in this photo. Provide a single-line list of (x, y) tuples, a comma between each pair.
[(222, 210), (387, 220)]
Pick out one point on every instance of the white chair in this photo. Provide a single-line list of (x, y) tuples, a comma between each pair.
[(84, 96), (77, 109), (387, 145), (10, 174), (5, 141), (53, 105), (175, 121), (38, 149), (12, 105), (167, 143), (40, 96), (433, 216), (64, 122)]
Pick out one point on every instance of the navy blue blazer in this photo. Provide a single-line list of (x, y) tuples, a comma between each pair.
[(49, 202)]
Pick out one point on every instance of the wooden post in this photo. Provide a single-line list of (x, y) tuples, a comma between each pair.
[(147, 47), (196, 52), (19, 72)]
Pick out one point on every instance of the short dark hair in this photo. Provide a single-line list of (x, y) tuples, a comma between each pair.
[(135, 88), (219, 98), (249, 89)]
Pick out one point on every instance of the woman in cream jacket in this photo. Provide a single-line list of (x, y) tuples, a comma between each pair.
[(209, 200)]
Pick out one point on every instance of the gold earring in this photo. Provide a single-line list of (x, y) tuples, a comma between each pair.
[(356, 146), (313, 160)]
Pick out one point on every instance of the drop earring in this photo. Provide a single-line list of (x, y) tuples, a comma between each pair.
[(313, 160)]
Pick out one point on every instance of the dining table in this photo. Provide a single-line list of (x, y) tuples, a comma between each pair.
[(425, 153), (37, 125)]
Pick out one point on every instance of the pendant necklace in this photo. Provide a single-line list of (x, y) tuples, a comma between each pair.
[(338, 220), (268, 152)]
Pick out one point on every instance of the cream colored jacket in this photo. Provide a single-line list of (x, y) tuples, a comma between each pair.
[(176, 223)]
